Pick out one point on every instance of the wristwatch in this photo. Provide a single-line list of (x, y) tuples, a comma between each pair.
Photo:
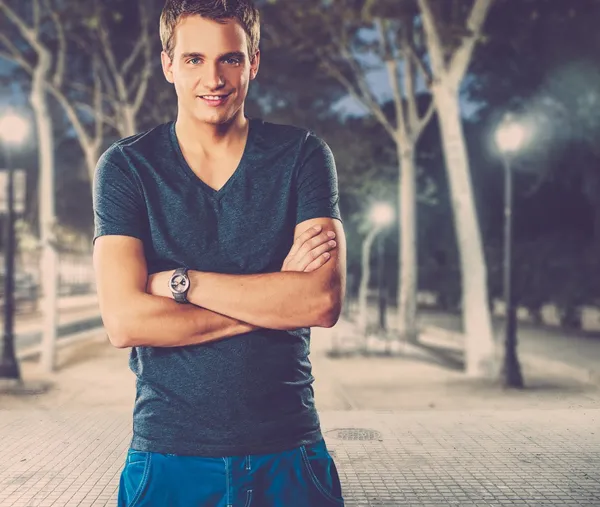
[(179, 283)]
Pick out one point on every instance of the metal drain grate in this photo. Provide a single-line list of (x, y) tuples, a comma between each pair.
[(354, 434)]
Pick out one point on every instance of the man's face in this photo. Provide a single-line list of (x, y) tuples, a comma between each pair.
[(211, 68)]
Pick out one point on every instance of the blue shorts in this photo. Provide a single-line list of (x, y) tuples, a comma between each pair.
[(302, 477)]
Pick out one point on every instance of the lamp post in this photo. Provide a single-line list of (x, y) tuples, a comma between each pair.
[(381, 215), (13, 130), (510, 137)]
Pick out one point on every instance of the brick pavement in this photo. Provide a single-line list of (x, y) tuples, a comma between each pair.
[(476, 446), (491, 458)]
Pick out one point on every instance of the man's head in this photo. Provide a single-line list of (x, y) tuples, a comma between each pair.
[(210, 49)]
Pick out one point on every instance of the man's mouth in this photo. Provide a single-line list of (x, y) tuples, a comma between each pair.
[(214, 100)]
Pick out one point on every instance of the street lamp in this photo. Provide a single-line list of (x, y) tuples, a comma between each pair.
[(510, 137), (380, 216), (13, 131)]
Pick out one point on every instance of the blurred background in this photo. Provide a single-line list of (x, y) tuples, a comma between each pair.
[(465, 135)]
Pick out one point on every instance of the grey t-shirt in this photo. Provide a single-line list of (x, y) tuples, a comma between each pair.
[(252, 393)]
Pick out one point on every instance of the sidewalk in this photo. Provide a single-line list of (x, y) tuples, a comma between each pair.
[(473, 445), (575, 353), (75, 313)]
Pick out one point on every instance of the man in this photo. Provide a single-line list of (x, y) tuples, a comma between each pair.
[(214, 255)]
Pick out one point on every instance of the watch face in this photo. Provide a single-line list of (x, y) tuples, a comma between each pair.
[(179, 284)]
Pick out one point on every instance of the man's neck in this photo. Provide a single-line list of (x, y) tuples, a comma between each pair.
[(211, 141)]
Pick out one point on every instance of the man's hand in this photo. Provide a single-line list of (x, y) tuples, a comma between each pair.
[(310, 250)]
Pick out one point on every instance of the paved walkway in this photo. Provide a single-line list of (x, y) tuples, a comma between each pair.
[(74, 458), (75, 313), (403, 431), (575, 353)]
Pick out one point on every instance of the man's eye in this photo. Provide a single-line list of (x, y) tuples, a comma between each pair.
[(232, 61), (194, 61)]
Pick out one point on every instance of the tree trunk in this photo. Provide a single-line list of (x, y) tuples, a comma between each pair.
[(49, 259), (480, 345), (365, 277), (128, 126), (407, 253), (91, 160)]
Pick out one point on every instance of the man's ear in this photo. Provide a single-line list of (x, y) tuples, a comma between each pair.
[(167, 65), (254, 64)]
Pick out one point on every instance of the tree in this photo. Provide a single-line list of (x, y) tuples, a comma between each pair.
[(349, 42), (32, 50), (115, 82), (540, 59), (122, 36), (451, 37)]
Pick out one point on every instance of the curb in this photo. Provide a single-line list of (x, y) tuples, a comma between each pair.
[(580, 374), (63, 342)]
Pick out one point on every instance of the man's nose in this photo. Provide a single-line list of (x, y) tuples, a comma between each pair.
[(213, 77)]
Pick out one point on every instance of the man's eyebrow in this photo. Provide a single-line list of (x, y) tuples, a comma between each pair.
[(232, 54)]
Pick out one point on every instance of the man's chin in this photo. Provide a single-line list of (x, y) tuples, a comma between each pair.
[(215, 117)]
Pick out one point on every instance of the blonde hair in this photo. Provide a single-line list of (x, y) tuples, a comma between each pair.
[(220, 11)]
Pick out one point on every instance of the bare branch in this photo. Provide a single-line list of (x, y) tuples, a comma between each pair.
[(366, 10), (14, 55), (367, 101), (392, 68), (420, 63), (111, 92), (365, 91), (108, 120), (436, 53), (16, 59), (143, 88), (8, 44), (98, 124), (424, 120), (462, 56), (36, 15), (80, 131), (30, 35), (146, 73), (409, 75), (87, 90), (120, 88), (133, 56), (59, 71)]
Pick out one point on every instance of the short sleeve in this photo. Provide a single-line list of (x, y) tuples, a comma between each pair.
[(317, 183), (117, 199)]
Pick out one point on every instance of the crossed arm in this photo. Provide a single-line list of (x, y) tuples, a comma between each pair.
[(140, 311)]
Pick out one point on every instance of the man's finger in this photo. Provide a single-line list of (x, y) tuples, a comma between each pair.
[(314, 244), (315, 253), (305, 236), (318, 262)]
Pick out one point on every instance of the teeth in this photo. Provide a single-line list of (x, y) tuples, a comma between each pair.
[(213, 97)]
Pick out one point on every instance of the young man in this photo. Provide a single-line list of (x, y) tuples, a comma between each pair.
[(214, 255)]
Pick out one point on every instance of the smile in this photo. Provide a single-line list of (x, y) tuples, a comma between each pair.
[(214, 100)]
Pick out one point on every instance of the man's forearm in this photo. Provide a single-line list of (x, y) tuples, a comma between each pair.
[(154, 321), (287, 300)]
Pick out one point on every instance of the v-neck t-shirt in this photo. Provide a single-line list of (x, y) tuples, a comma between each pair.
[(251, 393)]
